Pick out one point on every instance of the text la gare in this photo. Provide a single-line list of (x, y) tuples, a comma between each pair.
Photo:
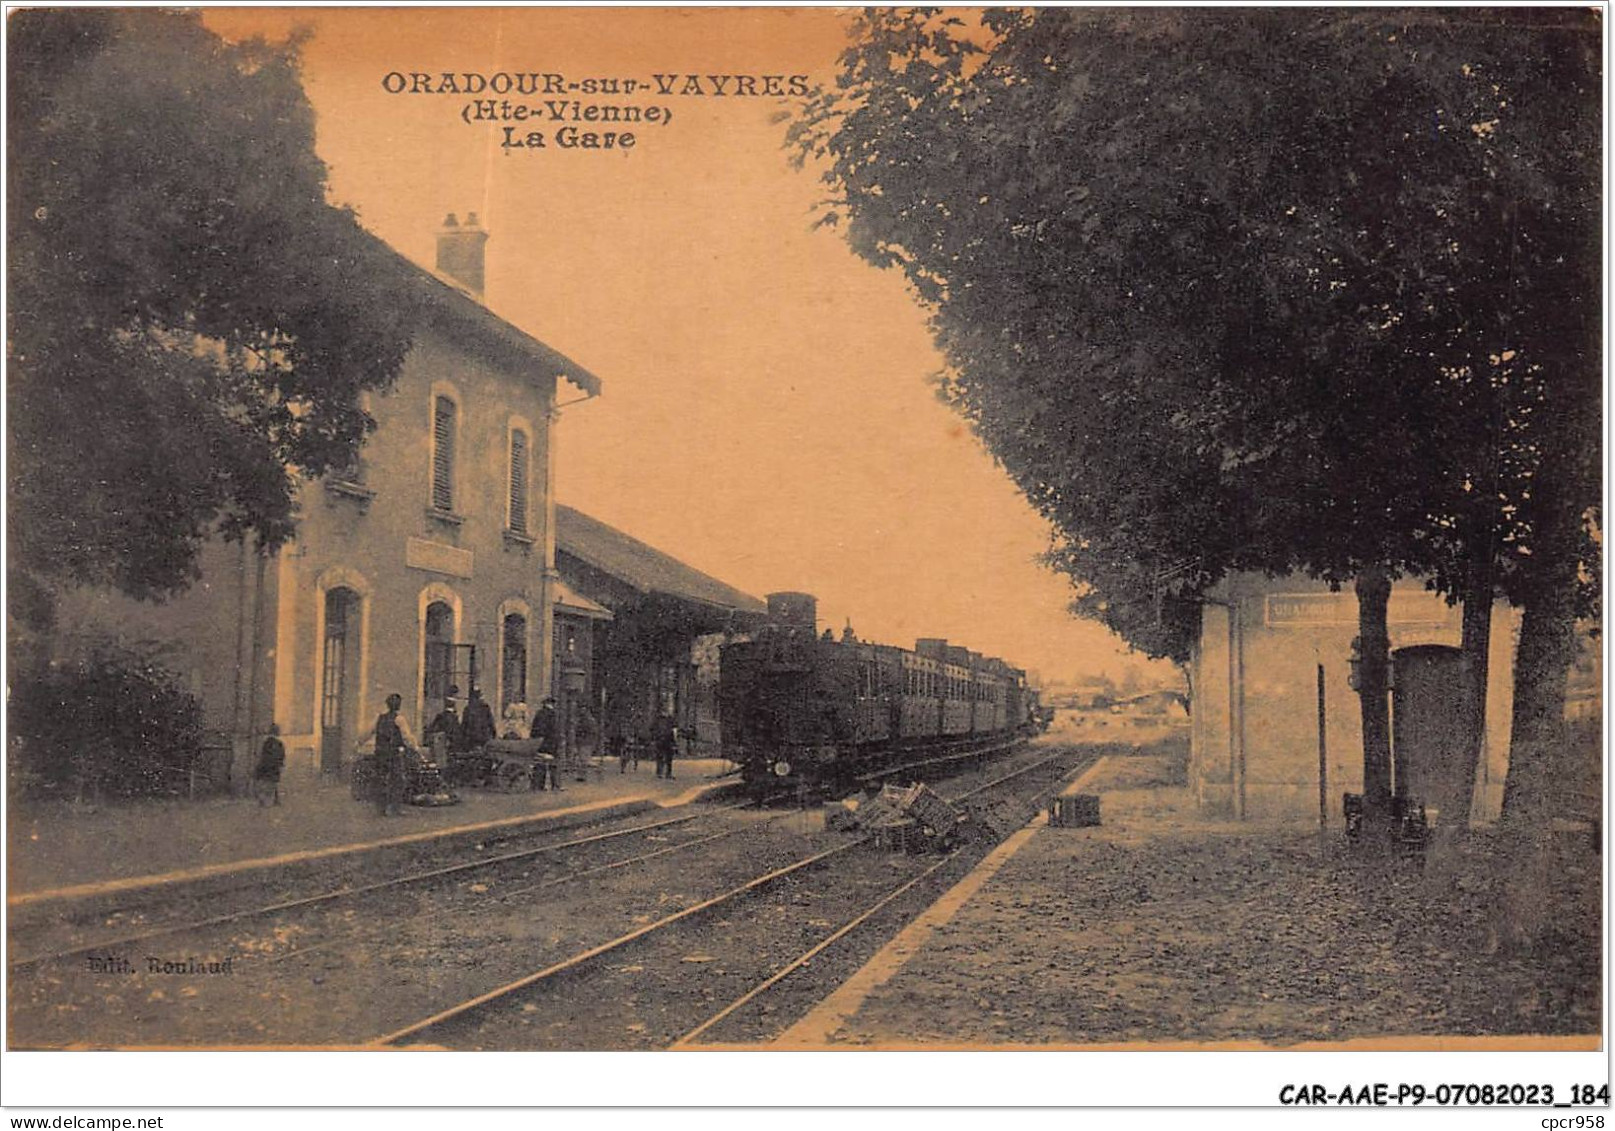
[(567, 137)]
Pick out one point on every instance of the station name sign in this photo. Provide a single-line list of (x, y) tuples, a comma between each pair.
[(1306, 610)]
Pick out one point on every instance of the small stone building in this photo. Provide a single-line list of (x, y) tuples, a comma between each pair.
[(1256, 696)]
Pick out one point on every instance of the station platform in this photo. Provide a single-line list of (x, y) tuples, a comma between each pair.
[(63, 851), (1164, 928)]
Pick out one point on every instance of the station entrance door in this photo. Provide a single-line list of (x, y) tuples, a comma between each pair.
[(340, 678)]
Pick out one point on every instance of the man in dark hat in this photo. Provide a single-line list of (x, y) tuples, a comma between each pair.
[(477, 727), (544, 727), (445, 726), (392, 740)]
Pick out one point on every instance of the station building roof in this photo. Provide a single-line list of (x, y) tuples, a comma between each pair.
[(455, 308), (641, 566)]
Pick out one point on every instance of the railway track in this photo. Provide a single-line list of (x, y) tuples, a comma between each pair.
[(651, 998), (331, 969), (336, 966), (348, 892)]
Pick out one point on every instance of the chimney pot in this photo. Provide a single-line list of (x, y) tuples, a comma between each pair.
[(460, 252)]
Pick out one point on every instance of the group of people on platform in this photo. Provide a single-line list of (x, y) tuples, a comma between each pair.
[(453, 733)]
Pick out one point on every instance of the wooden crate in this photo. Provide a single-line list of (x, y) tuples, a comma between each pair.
[(899, 836), (925, 806), (1077, 811)]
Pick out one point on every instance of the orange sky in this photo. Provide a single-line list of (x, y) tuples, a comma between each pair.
[(766, 413)]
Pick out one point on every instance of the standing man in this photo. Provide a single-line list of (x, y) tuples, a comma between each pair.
[(544, 727), (476, 728), (445, 725), (666, 739), (271, 760), (627, 748), (546, 733), (392, 740)]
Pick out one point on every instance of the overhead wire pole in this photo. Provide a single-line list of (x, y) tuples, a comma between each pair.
[(1323, 756)]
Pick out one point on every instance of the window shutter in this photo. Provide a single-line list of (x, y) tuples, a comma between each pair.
[(443, 454), (518, 481)]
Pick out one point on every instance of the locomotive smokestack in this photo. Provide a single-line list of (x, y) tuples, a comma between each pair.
[(795, 610)]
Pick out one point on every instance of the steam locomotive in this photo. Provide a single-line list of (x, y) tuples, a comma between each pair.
[(800, 709)]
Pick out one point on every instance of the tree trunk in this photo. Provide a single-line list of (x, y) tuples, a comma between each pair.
[(1476, 665), (1536, 748), (1537, 740), (1373, 687)]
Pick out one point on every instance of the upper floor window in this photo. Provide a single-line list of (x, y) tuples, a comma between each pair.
[(518, 481), (444, 412)]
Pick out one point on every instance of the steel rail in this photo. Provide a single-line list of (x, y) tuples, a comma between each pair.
[(853, 924), (808, 956), (584, 957), (542, 885), (941, 759), (347, 892), (1004, 778)]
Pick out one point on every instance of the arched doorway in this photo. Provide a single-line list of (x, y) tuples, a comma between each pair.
[(340, 677)]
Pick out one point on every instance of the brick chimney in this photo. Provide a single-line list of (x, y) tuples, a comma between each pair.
[(459, 251)]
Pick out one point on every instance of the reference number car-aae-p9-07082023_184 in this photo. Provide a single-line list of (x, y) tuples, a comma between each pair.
[(1455, 1095)]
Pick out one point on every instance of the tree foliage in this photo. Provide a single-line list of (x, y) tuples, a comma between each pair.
[(114, 722), (1248, 290), (191, 322)]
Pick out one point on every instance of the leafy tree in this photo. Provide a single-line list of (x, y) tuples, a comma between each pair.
[(1282, 290), (114, 722), (191, 322)]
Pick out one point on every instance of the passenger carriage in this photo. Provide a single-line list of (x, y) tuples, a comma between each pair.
[(800, 709)]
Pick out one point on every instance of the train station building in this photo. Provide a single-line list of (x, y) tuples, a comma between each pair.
[(428, 566), (1275, 723)]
